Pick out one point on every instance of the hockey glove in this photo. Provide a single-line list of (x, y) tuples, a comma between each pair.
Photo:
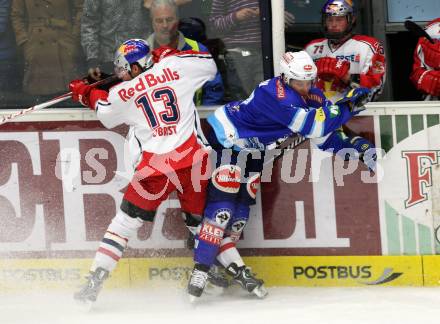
[(355, 99), (86, 94), (330, 68), (80, 91), (431, 53), (366, 150), (427, 81)]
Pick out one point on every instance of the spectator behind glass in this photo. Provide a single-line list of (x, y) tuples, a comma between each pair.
[(105, 25), (47, 31), (426, 67), (164, 17), (195, 8), (238, 22), (8, 58)]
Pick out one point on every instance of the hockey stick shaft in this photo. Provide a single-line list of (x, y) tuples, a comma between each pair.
[(417, 30), (289, 144), (43, 105), (51, 102)]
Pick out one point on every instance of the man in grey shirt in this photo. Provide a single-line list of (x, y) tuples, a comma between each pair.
[(107, 23)]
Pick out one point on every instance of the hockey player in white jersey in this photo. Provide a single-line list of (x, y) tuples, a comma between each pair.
[(426, 67), (156, 100), (346, 61)]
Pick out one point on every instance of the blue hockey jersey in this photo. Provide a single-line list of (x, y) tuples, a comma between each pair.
[(274, 110)]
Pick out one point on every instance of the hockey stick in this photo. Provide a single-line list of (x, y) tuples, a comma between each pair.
[(51, 102), (288, 144), (417, 30)]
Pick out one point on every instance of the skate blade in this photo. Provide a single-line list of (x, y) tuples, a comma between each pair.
[(192, 299), (84, 305), (260, 292), (213, 290)]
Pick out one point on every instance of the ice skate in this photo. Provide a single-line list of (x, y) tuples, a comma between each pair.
[(246, 279), (89, 292), (217, 282), (197, 281)]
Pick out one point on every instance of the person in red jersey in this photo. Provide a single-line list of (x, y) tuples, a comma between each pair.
[(426, 67), (346, 61)]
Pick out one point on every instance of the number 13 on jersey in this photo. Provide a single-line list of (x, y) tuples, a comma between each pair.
[(162, 118)]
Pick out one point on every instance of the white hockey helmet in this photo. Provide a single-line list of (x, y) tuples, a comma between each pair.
[(297, 66)]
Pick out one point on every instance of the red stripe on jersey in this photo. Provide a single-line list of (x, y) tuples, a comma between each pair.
[(109, 253), (122, 238), (227, 246), (192, 52), (437, 20)]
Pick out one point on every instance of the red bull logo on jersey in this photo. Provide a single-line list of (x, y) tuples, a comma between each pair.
[(148, 80)]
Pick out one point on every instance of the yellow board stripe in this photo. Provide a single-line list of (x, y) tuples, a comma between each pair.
[(322, 271)]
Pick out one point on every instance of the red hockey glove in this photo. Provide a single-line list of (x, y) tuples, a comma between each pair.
[(163, 51), (80, 92), (330, 68), (431, 53), (86, 94), (429, 82)]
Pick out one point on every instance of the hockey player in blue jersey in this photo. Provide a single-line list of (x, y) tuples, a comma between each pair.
[(283, 106)]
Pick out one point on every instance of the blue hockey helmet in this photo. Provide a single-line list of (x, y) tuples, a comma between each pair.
[(338, 8), (130, 52)]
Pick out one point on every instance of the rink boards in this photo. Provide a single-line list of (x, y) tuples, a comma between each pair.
[(347, 271), (63, 175)]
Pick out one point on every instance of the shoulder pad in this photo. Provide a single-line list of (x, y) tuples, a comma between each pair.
[(315, 41), (374, 43), (433, 22)]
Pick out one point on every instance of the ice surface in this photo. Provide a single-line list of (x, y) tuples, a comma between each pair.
[(283, 305)]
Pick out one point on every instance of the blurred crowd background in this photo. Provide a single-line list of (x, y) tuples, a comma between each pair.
[(44, 44)]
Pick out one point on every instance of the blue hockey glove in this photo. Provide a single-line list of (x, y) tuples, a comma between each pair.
[(366, 150), (355, 99)]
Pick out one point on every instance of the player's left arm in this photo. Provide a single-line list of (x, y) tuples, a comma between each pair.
[(199, 66), (317, 122), (213, 91), (373, 72)]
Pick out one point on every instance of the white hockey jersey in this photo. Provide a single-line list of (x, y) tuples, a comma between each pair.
[(158, 105), (367, 62)]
